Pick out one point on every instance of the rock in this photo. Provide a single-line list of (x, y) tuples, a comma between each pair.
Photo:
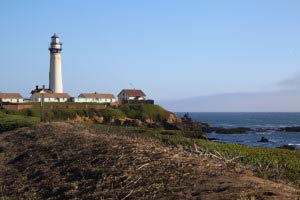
[(186, 118), (263, 139), (173, 119), (206, 128), (290, 129), (263, 130), (82, 119), (172, 122), (154, 125), (138, 123), (132, 122), (171, 126), (149, 121), (185, 123), (289, 147), (119, 122), (98, 119), (239, 130), (112, 121), (213, 139)]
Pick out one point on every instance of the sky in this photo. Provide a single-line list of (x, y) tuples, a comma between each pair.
[(171, 49)]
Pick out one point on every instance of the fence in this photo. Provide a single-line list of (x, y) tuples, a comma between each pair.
[(62, 106), (149, 101)]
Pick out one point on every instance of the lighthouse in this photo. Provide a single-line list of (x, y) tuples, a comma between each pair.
[(55, 74)]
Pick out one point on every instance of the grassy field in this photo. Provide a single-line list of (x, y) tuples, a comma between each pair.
[(141, 112), (10, 122), (144, 111)]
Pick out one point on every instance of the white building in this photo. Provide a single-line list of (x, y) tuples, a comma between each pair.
[(131, 94), (55, 74), (11, 97), (50, 97), (94, 98)]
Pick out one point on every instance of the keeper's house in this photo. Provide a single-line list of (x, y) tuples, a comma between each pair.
[(11, 97), (133, 96), (50, 97), (94, 98)]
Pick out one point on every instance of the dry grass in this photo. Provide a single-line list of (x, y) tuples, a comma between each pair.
[(70, 161)]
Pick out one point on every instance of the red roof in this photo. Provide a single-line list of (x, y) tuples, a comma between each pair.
[(10, 96), (133, 93)]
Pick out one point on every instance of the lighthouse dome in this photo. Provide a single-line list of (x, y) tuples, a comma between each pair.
[(55, 36)]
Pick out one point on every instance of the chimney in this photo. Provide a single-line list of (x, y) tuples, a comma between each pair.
[(36, 87), (43, 87)]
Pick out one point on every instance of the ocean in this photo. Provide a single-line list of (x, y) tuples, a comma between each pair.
[(268, 121)]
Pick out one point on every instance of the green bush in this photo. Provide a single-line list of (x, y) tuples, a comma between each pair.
[(186, 134), (110, 113), (144, 111), (10, 122), (274, 164), (26, 112), (135, 111)]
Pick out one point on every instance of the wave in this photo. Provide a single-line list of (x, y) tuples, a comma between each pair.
[(291, 144), (265, 133)]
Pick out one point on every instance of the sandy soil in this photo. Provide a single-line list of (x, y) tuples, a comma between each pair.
[(69, 161)]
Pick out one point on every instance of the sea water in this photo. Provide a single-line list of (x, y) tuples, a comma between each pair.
[(269, 122)]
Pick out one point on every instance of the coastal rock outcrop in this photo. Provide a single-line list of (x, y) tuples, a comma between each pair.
[(99, 119), (173, 119), (128, 122), (290, 129), (169, 122), (239, 130), (173, 122), (263, 139), (288, 147)]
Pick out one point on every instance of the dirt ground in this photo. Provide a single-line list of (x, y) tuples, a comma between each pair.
[(69, 161)]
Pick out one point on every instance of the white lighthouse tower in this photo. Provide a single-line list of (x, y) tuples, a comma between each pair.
[(55, 75)]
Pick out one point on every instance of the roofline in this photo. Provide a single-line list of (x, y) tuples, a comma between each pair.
[(132, 89)]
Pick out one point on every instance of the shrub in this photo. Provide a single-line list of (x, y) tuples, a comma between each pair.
[(110, 113), (10, 122), (144, 111)]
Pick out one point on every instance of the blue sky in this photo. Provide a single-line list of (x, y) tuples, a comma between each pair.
[(171, 49)]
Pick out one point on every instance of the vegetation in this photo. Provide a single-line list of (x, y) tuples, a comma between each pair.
[(10, 122), (110, 113), (274, 164), (141, 112), (144, 111), (25, 112), (11, 119), (72, 161)]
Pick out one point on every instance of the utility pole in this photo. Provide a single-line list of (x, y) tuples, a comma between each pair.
[(42, 105)]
